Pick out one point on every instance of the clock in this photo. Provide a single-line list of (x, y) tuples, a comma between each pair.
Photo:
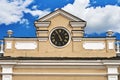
[(59, 37)]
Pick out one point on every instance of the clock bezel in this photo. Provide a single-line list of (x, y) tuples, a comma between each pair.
[(68, 35)]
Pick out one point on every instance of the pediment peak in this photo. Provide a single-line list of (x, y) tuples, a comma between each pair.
[(61, 12)]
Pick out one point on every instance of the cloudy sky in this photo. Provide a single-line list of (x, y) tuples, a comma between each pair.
[(19, 15)]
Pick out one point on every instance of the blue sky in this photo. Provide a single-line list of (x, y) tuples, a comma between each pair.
[(19, 15)]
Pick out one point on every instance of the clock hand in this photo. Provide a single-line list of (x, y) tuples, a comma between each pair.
[(59, 36)]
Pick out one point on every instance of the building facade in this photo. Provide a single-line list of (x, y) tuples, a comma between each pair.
[(59, 52)]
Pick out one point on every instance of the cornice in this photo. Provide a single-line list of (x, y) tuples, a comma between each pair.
[(75, 24), (42, 24), (62, 12), (21, 39)]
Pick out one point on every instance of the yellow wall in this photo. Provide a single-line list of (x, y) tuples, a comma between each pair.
[(30, 76), (58, 70), (73, 49), (59, 78)]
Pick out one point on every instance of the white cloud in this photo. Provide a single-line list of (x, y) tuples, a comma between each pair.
[(37, 12), (24, 21), (98, 19), (34, 7), (12, 11)]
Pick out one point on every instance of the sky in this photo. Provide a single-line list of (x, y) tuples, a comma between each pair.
[(19, 15)]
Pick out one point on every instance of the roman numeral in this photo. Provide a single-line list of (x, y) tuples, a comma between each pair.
[(53, 40), (53, 37), (59, 31), (65, 33), (65, 40), (66, 37)]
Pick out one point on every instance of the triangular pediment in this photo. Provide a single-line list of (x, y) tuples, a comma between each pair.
[(63, 13)]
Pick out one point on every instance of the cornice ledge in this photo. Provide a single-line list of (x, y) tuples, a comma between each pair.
[(77, 24), (42, 23)]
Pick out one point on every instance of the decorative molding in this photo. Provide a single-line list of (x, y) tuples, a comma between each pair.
[(26, 45), (112, 77), (42, 38), (42, 31), (6, 72), (94, 45), (42, 24), (70, 63), (77, 31), (88, 39), (6, 77), (76, 39), (110, 45), (110, 38), (112, 72), (6, 68), (62, 12), (9, 45), (75, 24), (63, 67), (92, 39), (61, 64), (63, 74), (22, 39)]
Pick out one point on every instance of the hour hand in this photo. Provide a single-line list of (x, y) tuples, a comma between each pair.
[(59, 36)]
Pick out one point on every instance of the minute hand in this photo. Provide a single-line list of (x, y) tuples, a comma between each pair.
[(59, 36)]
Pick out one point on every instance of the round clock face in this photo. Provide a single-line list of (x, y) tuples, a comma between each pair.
[(59, 37)]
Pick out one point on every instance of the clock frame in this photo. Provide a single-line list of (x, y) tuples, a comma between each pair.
[(59, 37)]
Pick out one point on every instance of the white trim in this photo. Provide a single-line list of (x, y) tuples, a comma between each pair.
[(3, 63), (45, 32), (78, 31), (112, 72), (6, 68), (110, 38), (112, 77), (62, 67), (77, 24), (61, 64), (113, 63), (21, 39), (94, 45), (92, 39), (6, 72), (26, 45), (76, 39), (42, 24), (49, 61), (59, 12), (62, 74), (8, 45), (43, 39), (110, 45), (6, 77)]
